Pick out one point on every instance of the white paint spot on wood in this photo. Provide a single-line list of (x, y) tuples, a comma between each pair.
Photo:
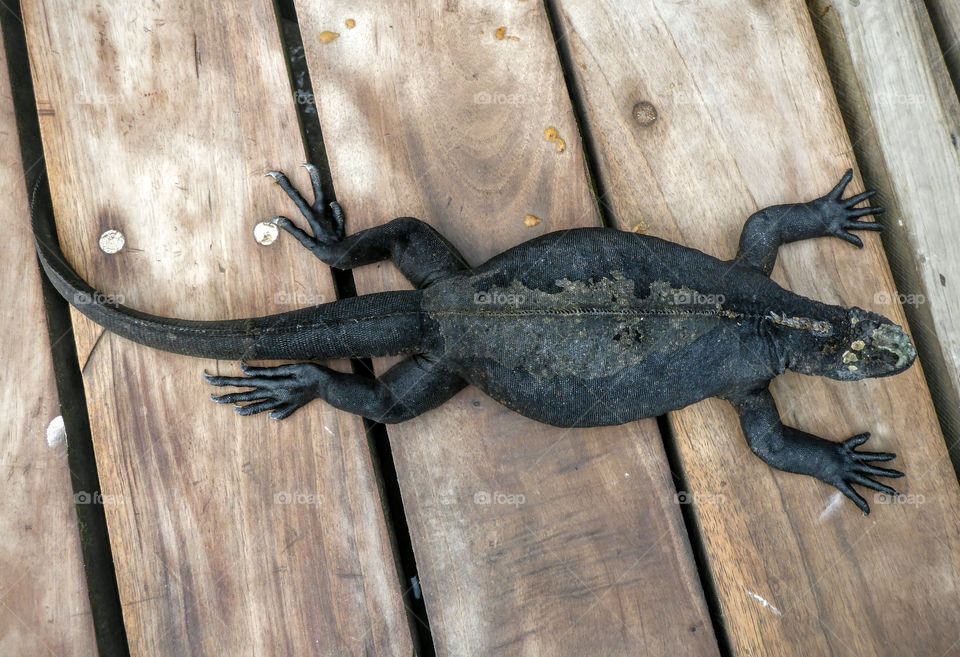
[(266, 233), (56, 432), (112, 241), (763, 602), (835, 501)]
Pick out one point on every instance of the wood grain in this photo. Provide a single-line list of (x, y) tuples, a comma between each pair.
[(745, 118), (231, 535), (904, 117), (530, 540), (946, 20), (44, 609)]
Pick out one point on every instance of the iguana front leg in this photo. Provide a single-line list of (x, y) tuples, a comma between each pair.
[(830, 215), (792, 450), (419, 251)]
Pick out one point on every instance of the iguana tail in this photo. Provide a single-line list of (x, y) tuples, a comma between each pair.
[(381, 324)]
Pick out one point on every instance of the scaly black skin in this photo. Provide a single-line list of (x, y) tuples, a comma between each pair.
[(578, 328)]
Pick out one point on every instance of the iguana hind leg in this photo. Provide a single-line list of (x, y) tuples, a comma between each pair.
[(830, 215), (792, 450), (420, 252), (406, 390)]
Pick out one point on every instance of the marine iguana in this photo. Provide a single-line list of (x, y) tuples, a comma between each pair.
[(575, 328)]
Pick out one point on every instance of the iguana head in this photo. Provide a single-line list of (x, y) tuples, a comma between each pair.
[(855, 344)]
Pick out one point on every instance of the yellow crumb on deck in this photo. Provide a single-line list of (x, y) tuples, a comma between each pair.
[(552, 135), (327, 36)]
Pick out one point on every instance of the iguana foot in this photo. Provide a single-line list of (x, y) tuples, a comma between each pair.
[(280, 390), (839, 214), (843, 466), (326, 222)]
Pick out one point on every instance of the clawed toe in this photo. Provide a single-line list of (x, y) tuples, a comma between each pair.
[(843, 214), (280, 390), (326, 221), (852, 468)]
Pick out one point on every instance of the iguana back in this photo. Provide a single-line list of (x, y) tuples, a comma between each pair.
[(592, 326)]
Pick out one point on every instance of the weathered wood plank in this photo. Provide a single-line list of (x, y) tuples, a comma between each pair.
[(231, 535), (529, 539), (946, 20), (904, 118), (744, 118), (44, 607)]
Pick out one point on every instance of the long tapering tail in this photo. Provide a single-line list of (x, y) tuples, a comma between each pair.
[(382, 324)]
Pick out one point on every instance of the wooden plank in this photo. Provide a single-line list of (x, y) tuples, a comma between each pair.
[(744, 117), (946, 20), (529, 539), (231, 535), (904, 118), (44, 607)]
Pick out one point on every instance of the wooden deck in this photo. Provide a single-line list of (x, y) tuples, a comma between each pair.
[(469, 531)]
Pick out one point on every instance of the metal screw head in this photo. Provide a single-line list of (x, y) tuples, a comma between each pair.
[(112, 241), (266, 233), (645, 113)]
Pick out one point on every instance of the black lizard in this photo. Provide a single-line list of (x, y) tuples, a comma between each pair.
[(577, 328)]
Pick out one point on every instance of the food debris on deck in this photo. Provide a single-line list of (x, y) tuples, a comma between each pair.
[(327, 36), (350, 23), (552, 135), (531, 220)]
